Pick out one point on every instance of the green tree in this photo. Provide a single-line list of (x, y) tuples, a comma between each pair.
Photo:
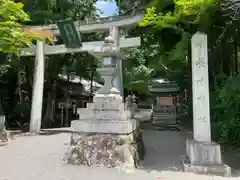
[(178, 20), (16, 74), (13, 36), (46, 12)]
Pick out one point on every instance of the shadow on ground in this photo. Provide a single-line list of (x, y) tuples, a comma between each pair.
[(48, 132), (232, 158), (163, 150), (44, 132)]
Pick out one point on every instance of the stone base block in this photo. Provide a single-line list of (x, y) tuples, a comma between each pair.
[(104, 126), (213, 169), (205, 158), (203, 153), (109, 150)]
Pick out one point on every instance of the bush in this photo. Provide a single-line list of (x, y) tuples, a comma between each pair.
[(226, 119)]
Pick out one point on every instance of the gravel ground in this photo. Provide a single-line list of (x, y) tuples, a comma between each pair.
[(40, 158)]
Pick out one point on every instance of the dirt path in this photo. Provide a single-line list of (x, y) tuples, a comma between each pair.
[(40, 158)]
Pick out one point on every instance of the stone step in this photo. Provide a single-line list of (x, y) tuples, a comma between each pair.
[(104, 126)]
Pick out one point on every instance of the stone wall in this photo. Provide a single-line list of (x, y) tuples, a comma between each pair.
[(109, 150)]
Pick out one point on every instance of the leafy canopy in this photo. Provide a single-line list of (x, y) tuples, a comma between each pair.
[(178, 14), (12, 35)]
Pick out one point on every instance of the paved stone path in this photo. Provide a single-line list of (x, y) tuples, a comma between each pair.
[(40, 158)]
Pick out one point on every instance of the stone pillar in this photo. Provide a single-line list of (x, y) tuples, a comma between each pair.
[(203, 155), (118, 81), (37, 94), (200, 88), (3, 133)]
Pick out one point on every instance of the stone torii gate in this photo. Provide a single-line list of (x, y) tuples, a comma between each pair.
[(111, 24)]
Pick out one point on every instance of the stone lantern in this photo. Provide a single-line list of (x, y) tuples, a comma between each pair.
[(109, 54), (106, 134)]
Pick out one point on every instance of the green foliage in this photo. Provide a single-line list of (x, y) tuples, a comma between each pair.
[(183, 16), (226, 112), (172, 24), (131, 6), (137, 78), (50, 11), (45, 12), (180, 50), (140, 67), (12, 35)]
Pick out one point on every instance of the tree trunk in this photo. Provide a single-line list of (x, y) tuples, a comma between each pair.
[(29, 82), (48, 117), (190, 105), (226, 64), (50, 107), (66, 123), (212, 73), (235, 54), (19, 89)]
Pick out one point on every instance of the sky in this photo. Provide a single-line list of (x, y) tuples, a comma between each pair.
[(108, 8)]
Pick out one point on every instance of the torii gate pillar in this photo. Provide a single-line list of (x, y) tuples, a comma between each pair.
[(37, 94), (118, 82)]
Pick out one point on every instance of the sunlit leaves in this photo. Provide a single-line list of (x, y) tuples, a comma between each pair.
[(12, 35), (40, 34), (185, 11), (10, 11)]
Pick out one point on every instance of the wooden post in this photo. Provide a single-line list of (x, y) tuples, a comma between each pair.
[(37, 95)]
